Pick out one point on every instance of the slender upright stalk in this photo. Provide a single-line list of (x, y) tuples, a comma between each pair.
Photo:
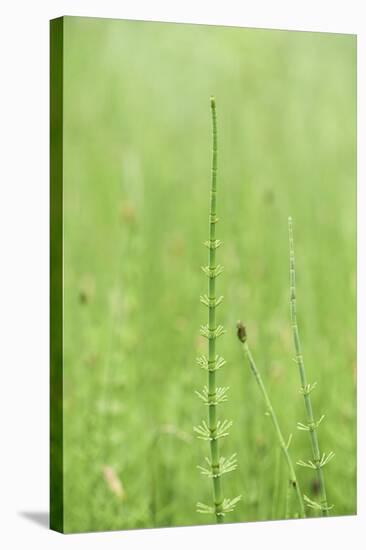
[(293, 483), (212, 420), (319, 461), (213, 395)]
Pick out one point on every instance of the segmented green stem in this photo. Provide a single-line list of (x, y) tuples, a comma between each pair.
[(293, 483), (311, 427), (212, 395), (212, 420)]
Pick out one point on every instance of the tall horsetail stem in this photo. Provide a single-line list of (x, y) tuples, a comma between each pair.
[(319, 461), (212, 421), (293, 482), (211, 394)]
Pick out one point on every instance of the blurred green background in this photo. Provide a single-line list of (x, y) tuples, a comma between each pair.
[(137, 154)]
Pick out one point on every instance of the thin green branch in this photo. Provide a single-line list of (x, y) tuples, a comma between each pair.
[(319, 461), (212, 395), (293, 482)]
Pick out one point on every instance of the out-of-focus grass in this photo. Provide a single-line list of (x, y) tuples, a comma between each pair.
[(136, 182)]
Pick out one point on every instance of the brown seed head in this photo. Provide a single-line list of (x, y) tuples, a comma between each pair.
[(241, 332)]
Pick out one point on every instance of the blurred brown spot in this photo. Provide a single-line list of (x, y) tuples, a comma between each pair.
[(181, 324), (176, 246), (260, 443), (285, 337), (83, 297), (128, 213), (113, 482), (200, 344), (87, 289), (91, 359), (314, 487), (276, 370)]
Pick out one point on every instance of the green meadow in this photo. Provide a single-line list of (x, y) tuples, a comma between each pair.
[(137, 169)]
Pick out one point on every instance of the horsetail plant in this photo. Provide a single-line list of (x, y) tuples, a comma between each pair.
[(293, 482), (319, 460), (213, 429)]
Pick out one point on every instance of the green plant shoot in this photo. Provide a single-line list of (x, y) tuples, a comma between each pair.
[(212, 395)]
